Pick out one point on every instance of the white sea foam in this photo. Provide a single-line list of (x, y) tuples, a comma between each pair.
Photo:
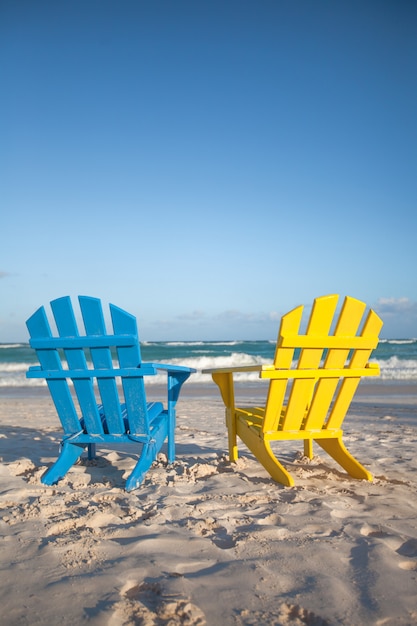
[(14, 374), (235, 359), (177, 343), (398, 369), (398, 342), (189, 344)]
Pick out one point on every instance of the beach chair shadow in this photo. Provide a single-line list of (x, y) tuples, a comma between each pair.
[(96, 380), (313, 379)]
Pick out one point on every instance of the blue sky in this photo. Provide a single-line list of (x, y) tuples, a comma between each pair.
[(208, 165)]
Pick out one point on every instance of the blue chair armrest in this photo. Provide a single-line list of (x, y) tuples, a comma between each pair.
[(173, 368), (177, 375)]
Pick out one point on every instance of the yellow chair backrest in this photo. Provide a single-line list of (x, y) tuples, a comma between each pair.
[(326, 372)]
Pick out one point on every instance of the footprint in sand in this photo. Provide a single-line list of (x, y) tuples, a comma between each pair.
[(391, 541), (408, 548), (147, 603), (73, 543), (397, 544), (76, 539), (28, 471), (211, 529), (286, 615)]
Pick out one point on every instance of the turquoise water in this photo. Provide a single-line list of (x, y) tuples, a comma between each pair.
[(396, 358)]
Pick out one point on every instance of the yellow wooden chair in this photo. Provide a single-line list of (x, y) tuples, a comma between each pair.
[(312, 382)]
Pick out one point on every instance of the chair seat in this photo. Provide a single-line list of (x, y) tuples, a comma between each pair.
[(154, 410)]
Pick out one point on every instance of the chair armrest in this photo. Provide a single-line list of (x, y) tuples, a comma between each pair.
[(225, 383), (173, 368), (223, 377), (372, 366), (231, 370), (177, 375)]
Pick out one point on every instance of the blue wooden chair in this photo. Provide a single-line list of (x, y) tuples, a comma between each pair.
[(95, 409)]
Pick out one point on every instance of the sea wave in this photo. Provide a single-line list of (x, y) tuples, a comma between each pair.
[(14, 374), (398, 342), (398, 369), (158, 344), (236, 359), (192, 344)]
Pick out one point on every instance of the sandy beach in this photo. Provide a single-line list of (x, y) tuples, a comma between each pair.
[(206, 542)]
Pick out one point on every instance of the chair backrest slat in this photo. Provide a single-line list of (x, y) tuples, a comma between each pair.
[(133, 388), (347, 326), (290, 324), (49, 359), (359, 358), (303, 389), (76, 359), (94, 324)]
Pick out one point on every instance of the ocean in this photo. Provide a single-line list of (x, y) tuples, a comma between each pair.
[(397, 359)]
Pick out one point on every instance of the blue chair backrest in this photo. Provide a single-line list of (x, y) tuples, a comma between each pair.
[(86, 358)]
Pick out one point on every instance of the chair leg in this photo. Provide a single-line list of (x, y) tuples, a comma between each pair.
[(337, 450), (231, 432), (69, 454), (171, 436), (308, 448), (148, 454), (147, 457), (263, 452)]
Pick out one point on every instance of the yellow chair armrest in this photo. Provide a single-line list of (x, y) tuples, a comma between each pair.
[(224, 381), (373, 366), (231, 370), (223, 377)]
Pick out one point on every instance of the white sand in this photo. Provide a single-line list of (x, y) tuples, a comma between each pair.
[(205, 542)]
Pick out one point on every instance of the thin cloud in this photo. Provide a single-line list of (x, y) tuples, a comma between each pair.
[(231, 315), (394, 306), (399, 316), (4, 274), (251, 318), (194, 315)]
